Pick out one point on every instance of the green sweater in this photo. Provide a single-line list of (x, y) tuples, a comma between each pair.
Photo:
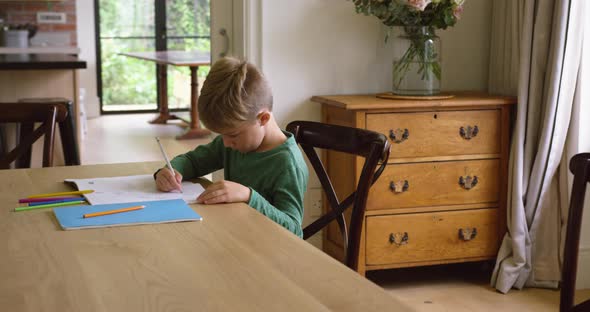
[(277, 178)]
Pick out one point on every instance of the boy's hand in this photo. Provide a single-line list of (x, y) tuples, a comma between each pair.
[(167, 182), (224, 192)]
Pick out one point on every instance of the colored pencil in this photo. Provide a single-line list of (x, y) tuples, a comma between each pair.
[(56, 201), (42, 199), (24, 208), (108, 212), (61, 193)]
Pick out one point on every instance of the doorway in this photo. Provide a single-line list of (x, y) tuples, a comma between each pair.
[(129, 85)]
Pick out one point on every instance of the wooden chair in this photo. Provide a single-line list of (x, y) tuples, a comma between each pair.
[(580, 167), (26, 115), (372, 146)]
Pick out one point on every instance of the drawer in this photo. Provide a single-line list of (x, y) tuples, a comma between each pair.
[(432, 236), (431, 134), (436, 184)]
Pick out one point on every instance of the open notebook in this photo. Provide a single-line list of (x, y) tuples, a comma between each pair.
[(162, 211), (127, 189)]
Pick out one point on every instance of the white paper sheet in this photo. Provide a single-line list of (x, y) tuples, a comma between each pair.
[(129, 189)]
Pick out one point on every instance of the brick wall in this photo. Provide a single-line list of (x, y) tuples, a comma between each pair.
[(26, 12)]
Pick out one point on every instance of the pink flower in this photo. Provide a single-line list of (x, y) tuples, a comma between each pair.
[(457, 11), (419, 5)]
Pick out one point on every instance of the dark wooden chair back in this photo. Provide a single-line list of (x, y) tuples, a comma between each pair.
[(26, 115), (372, 146), (580, 167)]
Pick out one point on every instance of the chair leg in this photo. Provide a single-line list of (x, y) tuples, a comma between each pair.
[(67, 133), (49, 138), (24, 160)]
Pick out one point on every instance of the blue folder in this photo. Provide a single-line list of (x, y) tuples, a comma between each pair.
[(161, 211)]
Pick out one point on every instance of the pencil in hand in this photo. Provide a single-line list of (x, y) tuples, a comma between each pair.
[(109, 212), (168, 164)]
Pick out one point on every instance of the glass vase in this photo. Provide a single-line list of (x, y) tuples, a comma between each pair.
[(416, 62)]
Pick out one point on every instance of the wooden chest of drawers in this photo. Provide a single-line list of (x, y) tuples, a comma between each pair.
[(442, 197)]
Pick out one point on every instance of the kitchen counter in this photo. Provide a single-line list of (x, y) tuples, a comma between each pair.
[(24, 61), (41, 50)]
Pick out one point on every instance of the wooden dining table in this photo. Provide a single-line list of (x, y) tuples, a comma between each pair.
[(190, 59), (235, 259)]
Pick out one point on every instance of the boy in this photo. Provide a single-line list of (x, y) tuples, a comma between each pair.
[(263, 165)]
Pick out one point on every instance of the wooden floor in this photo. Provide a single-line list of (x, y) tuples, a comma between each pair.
[(463, 287), (130, 138)]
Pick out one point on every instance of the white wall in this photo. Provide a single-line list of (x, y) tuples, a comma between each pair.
[(86, 43), (314, 47), (466, 48)]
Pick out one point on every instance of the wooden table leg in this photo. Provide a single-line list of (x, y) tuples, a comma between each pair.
[(164, 114), (195, 130)]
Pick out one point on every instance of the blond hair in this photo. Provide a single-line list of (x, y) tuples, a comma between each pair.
[(234, 91)]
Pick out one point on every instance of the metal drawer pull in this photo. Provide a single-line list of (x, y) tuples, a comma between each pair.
[(399, 186), (469, 132), (468, 182), (398, 238), (467, 234), (398, 135)]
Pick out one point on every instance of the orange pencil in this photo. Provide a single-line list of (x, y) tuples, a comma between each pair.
[(108, 212)]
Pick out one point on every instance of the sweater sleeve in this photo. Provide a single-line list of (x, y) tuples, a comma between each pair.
[(286, 205), (201, 161)]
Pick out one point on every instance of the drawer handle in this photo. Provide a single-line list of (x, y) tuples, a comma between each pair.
[(398, 238), (399, 186), (468, 182), (398, 135), (467, 234), (469, 132)]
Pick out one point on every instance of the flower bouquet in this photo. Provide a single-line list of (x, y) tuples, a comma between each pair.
[(416, 65)]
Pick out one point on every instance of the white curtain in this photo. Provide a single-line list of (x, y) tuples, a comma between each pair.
[(535, 54)]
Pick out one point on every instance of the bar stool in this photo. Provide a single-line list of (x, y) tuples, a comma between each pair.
[(26, 115), (67, 128)]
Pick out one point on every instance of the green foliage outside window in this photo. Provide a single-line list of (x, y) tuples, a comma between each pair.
[(131, 81)]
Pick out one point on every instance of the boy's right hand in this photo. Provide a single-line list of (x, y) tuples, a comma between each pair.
[(166, 181)]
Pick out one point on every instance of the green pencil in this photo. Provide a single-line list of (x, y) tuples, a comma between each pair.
[(49, 205)]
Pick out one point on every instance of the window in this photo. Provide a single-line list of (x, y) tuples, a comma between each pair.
[(127, 84)]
